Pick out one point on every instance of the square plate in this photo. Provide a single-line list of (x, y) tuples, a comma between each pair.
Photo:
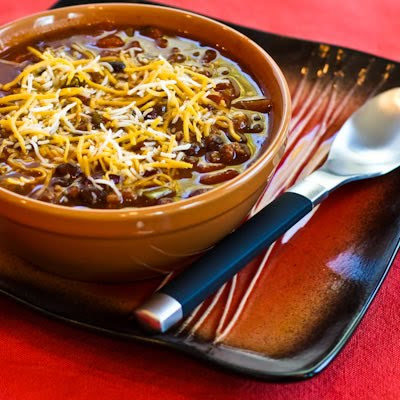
[(290, 312)]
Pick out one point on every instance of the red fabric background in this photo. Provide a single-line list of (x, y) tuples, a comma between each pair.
[(42, 359)]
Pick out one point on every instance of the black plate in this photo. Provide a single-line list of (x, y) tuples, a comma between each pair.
[(319, 296)]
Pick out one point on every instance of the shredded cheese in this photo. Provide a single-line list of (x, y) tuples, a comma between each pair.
[(64, 109)]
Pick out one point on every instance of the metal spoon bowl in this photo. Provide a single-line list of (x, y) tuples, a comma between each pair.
[(367, 145)]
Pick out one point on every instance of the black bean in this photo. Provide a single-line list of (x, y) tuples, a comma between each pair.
[(117, 66)]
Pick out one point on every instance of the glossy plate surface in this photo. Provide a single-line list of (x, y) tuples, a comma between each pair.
[(291, 310)]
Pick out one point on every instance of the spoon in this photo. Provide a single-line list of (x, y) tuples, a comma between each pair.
[(367, 146)]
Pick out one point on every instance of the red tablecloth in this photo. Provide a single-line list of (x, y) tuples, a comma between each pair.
[(42, 359)]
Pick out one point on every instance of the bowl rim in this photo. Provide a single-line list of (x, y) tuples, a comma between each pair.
[(226, 188)]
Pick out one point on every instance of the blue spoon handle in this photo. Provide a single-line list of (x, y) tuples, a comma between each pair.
[(183, 294)]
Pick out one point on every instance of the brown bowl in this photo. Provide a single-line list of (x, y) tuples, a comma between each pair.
[(136, 243)]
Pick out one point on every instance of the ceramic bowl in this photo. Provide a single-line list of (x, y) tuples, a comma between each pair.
[(137, 243)]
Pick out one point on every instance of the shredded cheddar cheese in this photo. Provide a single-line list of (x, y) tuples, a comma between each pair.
[(128, 115)]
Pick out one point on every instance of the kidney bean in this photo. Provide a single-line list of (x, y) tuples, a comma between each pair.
[(110, 42), (115, 178), (219, 178), (158, 110), (209, 56), (130, 31), (72, 192), (129, 198), (196, 149), (256, 128), (164, 200), (215, 97), (178, 136), (261, 105), (48, 196), (206, 73), (149, 173), (176, 58), (113, 201), (234, 153), (142, 201), (205, 168), (67, 169), (177, 129), (162, 42), (4, 133), (136, 45), (242, 136), (229, 91), (96, 77), (198, 191), (191, 159), (213, 142), (241, 122), (151, 32), (109, 53), (183, 173), (213, 157)]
